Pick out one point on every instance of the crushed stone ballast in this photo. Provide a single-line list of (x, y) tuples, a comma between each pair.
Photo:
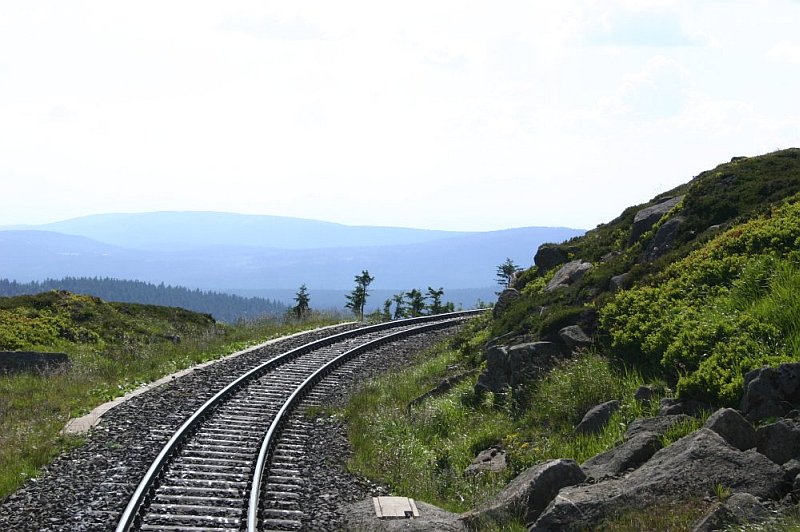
[(233, 461)]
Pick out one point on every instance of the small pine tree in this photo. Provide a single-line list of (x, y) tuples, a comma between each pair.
[(416, 302), (399, 309), (435, 297), (358, 297), (506, 273), (386, 315), (301, 309)]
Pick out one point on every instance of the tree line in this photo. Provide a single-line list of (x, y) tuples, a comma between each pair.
[(406, 304), (224, 307)]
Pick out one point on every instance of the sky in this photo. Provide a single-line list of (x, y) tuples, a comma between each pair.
[(444, 114)]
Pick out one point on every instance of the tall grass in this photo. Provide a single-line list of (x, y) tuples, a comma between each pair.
[(422, 452), (34, 408)]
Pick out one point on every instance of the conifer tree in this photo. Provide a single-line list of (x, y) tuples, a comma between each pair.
[(302, 298), (416, 302), (436, 300), (506, 273), (358, 297)]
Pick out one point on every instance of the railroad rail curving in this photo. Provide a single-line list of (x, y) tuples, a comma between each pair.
[(213, 470)]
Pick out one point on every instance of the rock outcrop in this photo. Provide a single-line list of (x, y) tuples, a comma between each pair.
[(771, 392), (574, 337), (568, 274), (510, 366), (492, 460), (689, 467), (779, 441), (506, 298), (597, 417), (529, 493), (630, 455), (647, 217), (548, 256), (657, 425), (735, 429), (664, 239)]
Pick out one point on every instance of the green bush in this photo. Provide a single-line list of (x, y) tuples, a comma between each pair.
[(731, 306)]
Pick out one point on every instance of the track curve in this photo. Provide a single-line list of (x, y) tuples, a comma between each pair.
[(224, 468)]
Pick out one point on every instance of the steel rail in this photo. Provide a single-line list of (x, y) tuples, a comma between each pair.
[(143, 493), (270, 438)]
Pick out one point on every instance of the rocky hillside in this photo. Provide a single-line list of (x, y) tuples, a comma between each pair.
[(698, 292), (686, 286)]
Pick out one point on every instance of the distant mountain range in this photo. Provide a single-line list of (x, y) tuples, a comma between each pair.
[(236, 253)]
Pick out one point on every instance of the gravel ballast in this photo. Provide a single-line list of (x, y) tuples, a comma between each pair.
[(88, 487)]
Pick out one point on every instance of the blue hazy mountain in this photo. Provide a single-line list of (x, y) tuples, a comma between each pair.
[(183, 230), (215, 251)]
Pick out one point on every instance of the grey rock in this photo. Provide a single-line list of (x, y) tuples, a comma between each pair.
[(645, 393), (779, 441), (492, 460), (504, 300), (657, 425), (730, 424), (574, 337), (647, 217), (611, 255), (510, 366), (629, 455), (791, 469), (618, 281), (568, 274), (746, 508), (548, 256), (360, 516), (770, 392), (685, 469), (664, 239), (670, 406), (529, 493), (718, 518), (597, 417)]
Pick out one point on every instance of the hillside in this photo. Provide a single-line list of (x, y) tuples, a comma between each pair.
[(613, 350), (223, 307), (61, 320), (674, 291)]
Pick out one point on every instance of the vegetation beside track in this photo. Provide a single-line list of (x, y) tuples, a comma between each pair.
[(113, 348), (720, 300)]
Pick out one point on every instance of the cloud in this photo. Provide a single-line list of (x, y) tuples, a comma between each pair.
[(658, 90), (296, 29), (785, 51), (634, 28)]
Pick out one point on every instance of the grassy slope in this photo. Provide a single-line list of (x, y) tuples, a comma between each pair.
[(741, 225), (722, 301), (114, 347)]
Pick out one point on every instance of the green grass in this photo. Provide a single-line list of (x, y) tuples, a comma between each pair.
[(727, 308), (422, 452), (34, 408), (672, 517)]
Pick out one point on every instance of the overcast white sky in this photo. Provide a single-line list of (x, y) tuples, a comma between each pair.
[(436, 114)]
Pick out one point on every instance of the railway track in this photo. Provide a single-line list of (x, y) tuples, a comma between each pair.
[(235, 463)]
